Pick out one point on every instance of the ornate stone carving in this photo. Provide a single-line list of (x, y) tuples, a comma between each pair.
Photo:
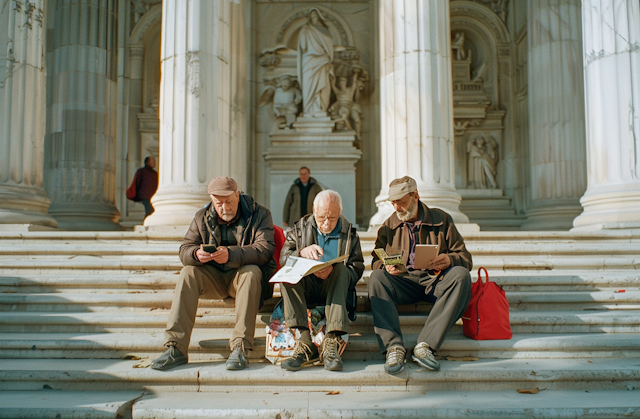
[(499, 7), (457, 46), (140, 7), (315, 55), (482, 165), (345, 110), (286, 97)]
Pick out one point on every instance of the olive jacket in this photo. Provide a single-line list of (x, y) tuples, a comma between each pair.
[(291, 210), (437, 227), (255, 240)]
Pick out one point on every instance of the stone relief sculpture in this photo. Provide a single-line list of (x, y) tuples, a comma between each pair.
[(286, 97), (457, 46), (344, 108), (315, 55), (483, 161)]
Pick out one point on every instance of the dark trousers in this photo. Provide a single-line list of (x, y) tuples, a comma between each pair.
[(450, 291), (148, 208), (312, 291)]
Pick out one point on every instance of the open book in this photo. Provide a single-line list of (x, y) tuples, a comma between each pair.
[(393, 257), (297, 268)]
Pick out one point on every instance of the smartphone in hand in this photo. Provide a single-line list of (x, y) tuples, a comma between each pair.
[(210, 248)]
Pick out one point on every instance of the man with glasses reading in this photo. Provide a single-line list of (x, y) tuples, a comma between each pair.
[(323, 235)]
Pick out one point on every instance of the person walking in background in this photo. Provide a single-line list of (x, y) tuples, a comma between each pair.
[(300, 198), (144, 185)]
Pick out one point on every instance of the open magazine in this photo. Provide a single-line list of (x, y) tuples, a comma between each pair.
[(391, 257), (297, 268)]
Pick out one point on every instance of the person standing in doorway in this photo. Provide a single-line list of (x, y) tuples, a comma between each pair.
[(300, 198)]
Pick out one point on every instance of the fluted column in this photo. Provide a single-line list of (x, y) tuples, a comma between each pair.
[(611, 43), (22, 114), (203, 104), (80, 145), (556, 114), (416, 101)]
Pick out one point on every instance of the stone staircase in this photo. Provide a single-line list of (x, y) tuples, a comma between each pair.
[(78, 312)]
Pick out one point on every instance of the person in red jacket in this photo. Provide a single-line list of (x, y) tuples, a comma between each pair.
[(146, 180)]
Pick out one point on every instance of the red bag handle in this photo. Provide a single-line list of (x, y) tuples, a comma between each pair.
[(485, 273)]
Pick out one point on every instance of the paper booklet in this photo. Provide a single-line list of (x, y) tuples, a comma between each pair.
[(297, 268), (394, 257)]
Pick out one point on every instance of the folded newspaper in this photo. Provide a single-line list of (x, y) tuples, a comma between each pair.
[(297, 268), (391, 258)]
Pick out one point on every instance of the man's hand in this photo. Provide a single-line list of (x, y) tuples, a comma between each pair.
[(441, 262), (393, 269), (312, 252), (324, 273), (220, 256)]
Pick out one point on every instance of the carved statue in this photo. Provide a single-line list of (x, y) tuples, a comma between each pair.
[(483, 161), (457, 46), (344, 107), (286, 98), (315, 55)]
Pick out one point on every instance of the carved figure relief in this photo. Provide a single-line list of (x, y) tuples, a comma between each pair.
[(457, 46), (286, 97), (315, 55), (482, 162)]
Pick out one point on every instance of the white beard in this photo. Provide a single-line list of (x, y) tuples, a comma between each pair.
[(410, 213)]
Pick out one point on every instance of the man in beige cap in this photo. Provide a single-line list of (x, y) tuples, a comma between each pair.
[(228, 251), (445, 281)]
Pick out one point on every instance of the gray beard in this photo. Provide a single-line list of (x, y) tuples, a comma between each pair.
[(410, 213)]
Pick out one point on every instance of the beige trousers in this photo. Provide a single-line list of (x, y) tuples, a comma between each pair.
[(243, 284)]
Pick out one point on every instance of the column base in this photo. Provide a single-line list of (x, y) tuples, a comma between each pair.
[(618, 209), (24, 205), (555, 217), (86, 217), (176, 206)]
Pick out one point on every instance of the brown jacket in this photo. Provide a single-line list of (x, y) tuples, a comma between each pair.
[(437, 227), (291, 210), (256, 244)]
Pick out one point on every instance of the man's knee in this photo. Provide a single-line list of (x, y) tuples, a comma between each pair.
[(377, 281), (250, 275), (461, 277)]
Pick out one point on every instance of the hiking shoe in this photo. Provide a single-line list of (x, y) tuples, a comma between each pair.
[(305, 353), (238, 358), (172, 357), (331, 353), (425, 357), (395, 360)]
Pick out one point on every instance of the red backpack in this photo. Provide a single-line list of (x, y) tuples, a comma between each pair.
[(278, 235), (487, 316)]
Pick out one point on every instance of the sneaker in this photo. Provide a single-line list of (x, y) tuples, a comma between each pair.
[(331, 353), (304, 354), (395, 359), (238, 358), (172, 357), (425, 357)]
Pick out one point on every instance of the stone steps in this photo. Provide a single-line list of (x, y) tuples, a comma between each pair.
[(52, 404), (361, 376), (122, 321), (213, 343)]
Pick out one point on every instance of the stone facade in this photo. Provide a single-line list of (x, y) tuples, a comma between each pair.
[(482, 102)]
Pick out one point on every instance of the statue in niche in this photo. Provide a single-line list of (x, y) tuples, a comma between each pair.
[(483, 162), (315, 55), (286, 98), (457, 46), (344, 108)]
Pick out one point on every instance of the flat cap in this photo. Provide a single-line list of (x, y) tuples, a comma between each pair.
[(398, 188), (222, 186)]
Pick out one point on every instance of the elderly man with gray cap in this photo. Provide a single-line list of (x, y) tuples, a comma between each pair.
[(445, 281), (228, 251)]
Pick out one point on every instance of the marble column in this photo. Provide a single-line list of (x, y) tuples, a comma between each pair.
[(80, 145), (203, 105), (416, 102), (611, 44), (556, 114), (22, 114)]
